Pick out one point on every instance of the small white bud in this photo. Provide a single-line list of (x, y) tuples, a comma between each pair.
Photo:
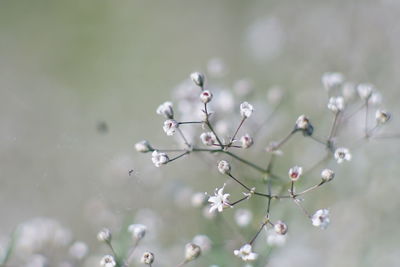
[(224, 167), (170, 127), (382, 116), (104, 235), (159, 158), (332, 80), (336, 104), (206, 96), (197, 78), (295, 173), (246, 109), (321, 218), (166, 110), (138, 231), (208, 138), (280, 227), (192, 251), (246, 141), (365, 90), (143, 146), (303, 123), (327, 175), (245, 253), (342, 154), (147, 258), (108, 261)]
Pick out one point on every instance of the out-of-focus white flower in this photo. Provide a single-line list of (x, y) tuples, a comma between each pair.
[(143, 146), (166, 110), (295, 173), (206, 96), (170, 127), (336, 104), (208, 138), (147, 258), (327, 175), (138, 231), (243, 87), (275, 239), (349, 91), (274, 95), (192, 251), (246, 109), (280, 227), (342, 154), (243, 217), (382, 116), (216, 67), (108, 261), (365, 90), (375, 98), (203, 241), (245, 253), (246, 141), (219, 201), (159, 158), (224, 167), (37, 260), (104, 235), (332, 80), (197, 78), (198, 199), (321, 218), (78, 250)]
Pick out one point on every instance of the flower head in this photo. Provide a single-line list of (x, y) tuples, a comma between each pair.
[(206, 96), (336, 104), (197, 78), (104, 235), (208, 138), (159, 158), (245, 253), (224, 167), (303, 123), (143, 146), (280, 227), (219, 201), (246, 141), (365, 90), (170, 127), (147, 258), (108, 261), (331, 80), (295, 173), (382, 116), (138, 231), (342, 154), (246, 109), (327, 175), (166, 110), (243, 217), (321, 218), (192, 251)]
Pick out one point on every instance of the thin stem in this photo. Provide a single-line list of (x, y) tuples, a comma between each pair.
[(318, 140), (190, 122), (256, 235), (238, 201), (179, 156), (366, 117), (292, 188), (254, 166), (130, 254), (284, 140), (182, 263), (297, 202), (183, 137), (387, 136), (310, 189), (334, 125), (239, 182), (236, 132), (112, 249), (345, 119)]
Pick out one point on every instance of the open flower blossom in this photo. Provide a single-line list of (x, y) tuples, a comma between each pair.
[(245, 253), (382, 116), (295, 173), (246, 109), (321, 218), (336, 104), (138, 231), (159, 158), (208, 138), (104, 235), (166, 110), (224, 167), (331, 80), (219, 201), (365, 90), (246, 141), (342, 154), (108, 261), (170, 127)]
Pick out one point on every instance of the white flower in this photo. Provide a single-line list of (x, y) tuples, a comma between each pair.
[(206, 96), (332, 79), (327, 175), (147, 258), (247, 141), (382, 116), (365, 90), (303, 123), (159, 158), (143, 146), (208, 138), (197, 78), (245, 253), (170, 127), (246, 109), (224, 167), (166, 110), (375, 98), (275, 239), (280, 227), (138, 231), (219, 201), (104, 235), (342, 154), (78, 250), (321, 218), (243, 217), (108, 261), (295, 173), (198, 199), (192, 251), (336, 104)]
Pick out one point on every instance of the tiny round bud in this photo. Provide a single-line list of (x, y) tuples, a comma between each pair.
[(327, 175), (147, 258), (192, 251), (246, 109), (246, 141), (206, 96), (208, 138), (382, 116), (159, 158), (104, 235), (138, 231), (143, 146), (321, 218), (336, 104), (280, 227), (342, 154), (166, 110), (224, 167), (295, 173), (108, 261), (197, 78), (170, 127)]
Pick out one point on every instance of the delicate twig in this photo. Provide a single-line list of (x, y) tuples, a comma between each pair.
[(236, 132), (310, 189), (258, 232), (179, 156)]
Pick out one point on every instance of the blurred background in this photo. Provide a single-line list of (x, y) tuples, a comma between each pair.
[(80, 82)]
